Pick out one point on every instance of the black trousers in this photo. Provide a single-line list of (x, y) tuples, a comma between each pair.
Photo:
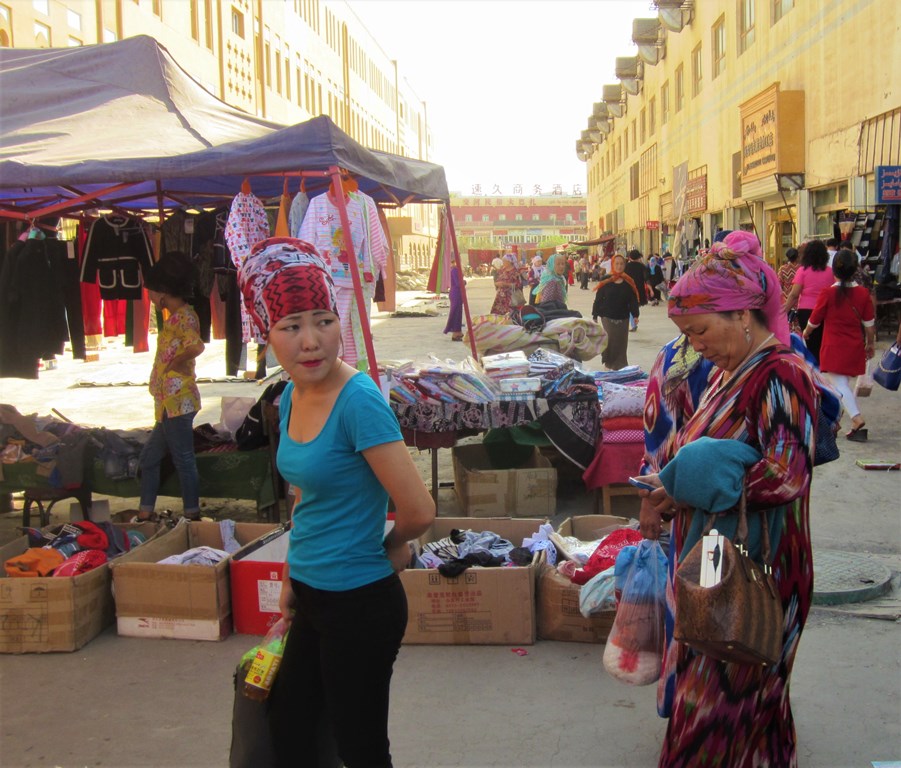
[(338, 660), (815, 340)]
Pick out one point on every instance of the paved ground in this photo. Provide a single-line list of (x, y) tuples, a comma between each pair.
[(128, 702)]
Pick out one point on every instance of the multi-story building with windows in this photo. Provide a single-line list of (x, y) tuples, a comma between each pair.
[(284, 60), (526, 221), (770, 115)]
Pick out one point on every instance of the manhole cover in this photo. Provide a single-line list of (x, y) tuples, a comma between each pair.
[(846, 577)]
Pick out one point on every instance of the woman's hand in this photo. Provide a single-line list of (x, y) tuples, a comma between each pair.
[(287, 600), (656, 506), (398, 553)]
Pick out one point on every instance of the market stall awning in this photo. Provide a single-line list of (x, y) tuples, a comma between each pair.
[(596, 241), (123, 124)]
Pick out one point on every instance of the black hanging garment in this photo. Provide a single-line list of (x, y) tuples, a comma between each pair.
[(117, 253), (32, 307)]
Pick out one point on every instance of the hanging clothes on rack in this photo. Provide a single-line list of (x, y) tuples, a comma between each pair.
[(32, 306), (299, 206), (247, 224), (322, 228), (117, 253)]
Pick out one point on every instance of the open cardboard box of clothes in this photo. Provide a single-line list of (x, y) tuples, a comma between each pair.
[(481, 606), (557, 610), (185, 602), (57, 613)]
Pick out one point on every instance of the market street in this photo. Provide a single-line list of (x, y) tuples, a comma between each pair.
[(133, 702)]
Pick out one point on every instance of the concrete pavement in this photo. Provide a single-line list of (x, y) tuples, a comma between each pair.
[(130, 702)]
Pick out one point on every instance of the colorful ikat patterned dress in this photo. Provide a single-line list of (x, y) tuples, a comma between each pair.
[(735, 715)]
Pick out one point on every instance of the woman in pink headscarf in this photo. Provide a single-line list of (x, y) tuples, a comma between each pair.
[(729, 307)]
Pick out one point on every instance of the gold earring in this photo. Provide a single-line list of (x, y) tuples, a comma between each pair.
[(747, 335)]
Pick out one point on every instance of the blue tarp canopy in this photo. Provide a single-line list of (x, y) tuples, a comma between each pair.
[(122, 124)]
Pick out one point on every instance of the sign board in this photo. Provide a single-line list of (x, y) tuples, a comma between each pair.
[(772, 134), (652, 225), (888, 184)]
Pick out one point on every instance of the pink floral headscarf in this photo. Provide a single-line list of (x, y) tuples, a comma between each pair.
[(733, 276)]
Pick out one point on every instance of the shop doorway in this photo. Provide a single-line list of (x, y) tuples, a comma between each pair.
[(780, 228)]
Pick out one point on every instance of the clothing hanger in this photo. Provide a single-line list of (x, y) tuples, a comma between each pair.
[(35, 232)]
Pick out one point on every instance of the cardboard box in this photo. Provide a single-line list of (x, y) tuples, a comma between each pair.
[(53, 613), (482, 606), (185, 602), (256, 583), (557, 609), (529, 491)]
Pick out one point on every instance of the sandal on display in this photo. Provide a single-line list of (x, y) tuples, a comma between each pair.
[(457, 337)]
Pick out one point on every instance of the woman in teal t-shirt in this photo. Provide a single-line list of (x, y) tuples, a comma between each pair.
[(342, 450)]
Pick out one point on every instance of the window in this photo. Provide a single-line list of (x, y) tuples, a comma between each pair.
[(781, 7), (826, 202), (536, 217), (664, 103), (718, 45), (502, 217), (626, 143), (652, 115), (208, 23), (468, 218), (74, 42), (73, 19), (518, 217), (746, 21), (569, 218), (680, 88), (634, 135), (195, 21), (697, 76), (41, 35), (41, 6), (486, 217), (238, 22), (633, 181), (109, 36), (643, 132)]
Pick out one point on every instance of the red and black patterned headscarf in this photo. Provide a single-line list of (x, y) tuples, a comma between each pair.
[(283, 276)]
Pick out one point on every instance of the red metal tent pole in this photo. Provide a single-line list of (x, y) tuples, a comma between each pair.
[(338, 190), (459, 268)]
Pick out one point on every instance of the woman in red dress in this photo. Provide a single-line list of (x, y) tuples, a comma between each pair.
[(847, 315)]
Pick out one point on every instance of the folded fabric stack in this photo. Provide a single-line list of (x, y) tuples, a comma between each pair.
[(512, 376), (440, 382), (71, 549), (621, 400)]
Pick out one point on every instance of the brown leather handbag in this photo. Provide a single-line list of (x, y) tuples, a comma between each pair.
[(740, 619)]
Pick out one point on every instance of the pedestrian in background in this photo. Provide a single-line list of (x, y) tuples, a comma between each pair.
[(636, 269), (813, 277), (846, 314), (342, 450), (616, 299), (454, 324), (786, 278), (173, 385), (505, 282)]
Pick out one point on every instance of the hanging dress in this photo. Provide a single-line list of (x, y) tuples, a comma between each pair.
[(247, 224), (322, 228)]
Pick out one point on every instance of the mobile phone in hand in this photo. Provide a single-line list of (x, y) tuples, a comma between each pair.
[(639, 483)]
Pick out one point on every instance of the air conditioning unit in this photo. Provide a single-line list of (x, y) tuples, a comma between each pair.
[(630, 73), (675, 15), (614, 99), (650, 37)]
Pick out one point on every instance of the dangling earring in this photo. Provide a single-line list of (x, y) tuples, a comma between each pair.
[(747, 335)]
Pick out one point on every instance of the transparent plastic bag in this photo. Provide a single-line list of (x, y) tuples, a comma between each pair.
[(865, 383), (634, 650)]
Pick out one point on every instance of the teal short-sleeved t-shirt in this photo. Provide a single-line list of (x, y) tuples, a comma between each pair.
[(339, 524)]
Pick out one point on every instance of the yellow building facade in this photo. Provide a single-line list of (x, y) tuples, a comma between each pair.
[(283, 60), (766, 115)]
